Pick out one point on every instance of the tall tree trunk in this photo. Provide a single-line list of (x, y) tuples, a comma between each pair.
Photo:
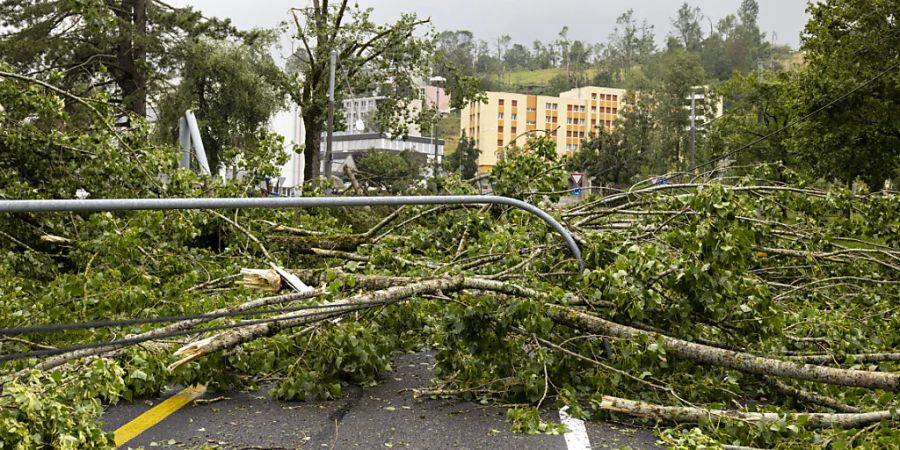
[(314, 130), (131, 54), (139, 40)]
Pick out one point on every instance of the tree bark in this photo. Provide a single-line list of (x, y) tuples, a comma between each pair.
[(59, 360), (694, 415), (729, 359), (312, 119), (814, 398), (238, 336), (863, 358), (131, 54)]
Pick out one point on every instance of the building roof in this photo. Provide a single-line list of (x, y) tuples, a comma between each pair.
[(350, 137)]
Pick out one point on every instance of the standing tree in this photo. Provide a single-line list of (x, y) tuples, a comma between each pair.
[(235, 89), (125, 48), (389, 58), (604, 158), (630, 43), (679, 76), (465, 159), (686, 24), (848, 43)]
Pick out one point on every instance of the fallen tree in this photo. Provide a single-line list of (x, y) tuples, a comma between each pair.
[(703, 302)]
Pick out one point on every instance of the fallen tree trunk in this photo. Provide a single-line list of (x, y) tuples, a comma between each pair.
[(60, 360), (729, 359), (386, 296), (237, 336), (864, 358), (684, 414), (814, 398)]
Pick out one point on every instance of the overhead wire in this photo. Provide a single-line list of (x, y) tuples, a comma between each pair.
[(54, 328), (804, 117), (340, 310), (778, 131)]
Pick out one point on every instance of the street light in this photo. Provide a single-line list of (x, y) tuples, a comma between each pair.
[(437, 109)]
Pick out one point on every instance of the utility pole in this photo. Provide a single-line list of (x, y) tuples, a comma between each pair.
[(328, 156), (437, 165), (460, 147), (436, 82), (693, 131)]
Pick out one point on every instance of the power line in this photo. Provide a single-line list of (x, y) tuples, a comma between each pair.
[(805, 117), (136, 340), (54, 328), (774, 133)]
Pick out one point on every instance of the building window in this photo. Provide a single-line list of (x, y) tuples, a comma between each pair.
[(515, 103), (568, 107), (530, 122), (513, 116), (615, 98), (593, 96), (500, 102), (608, 123), (593, 109), (530, 110), (499, 142), (569, 120), (499, 116), (513, 131), (615, 110), (548, 119), (500, 128)]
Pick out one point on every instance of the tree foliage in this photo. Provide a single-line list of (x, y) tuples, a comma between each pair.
[(756, 303), (848, 43), (383, 58), (234, 90), (464, 159), (125, 48), (392, 171)]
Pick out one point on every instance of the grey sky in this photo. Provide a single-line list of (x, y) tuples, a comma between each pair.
[(527, 20)]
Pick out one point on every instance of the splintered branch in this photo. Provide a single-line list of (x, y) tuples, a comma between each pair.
[(241, 335), (60, 360)]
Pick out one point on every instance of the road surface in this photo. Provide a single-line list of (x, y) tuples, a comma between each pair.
[(381, 417)]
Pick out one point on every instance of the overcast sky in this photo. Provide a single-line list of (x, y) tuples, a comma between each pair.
[(527, 20)]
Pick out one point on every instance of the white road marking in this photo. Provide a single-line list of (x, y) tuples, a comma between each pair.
[(576, 438)]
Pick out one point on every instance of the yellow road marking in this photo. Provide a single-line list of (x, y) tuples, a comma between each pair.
[(156, 414)]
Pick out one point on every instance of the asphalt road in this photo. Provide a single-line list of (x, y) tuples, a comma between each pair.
[(380, 417)]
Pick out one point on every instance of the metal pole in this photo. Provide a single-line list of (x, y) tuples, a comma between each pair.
[(328, 155), (196, 140), (437, 110), (134, 204), (184, 140), (693, 131)]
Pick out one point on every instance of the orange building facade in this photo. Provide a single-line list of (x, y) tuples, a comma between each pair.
[(507, 119)]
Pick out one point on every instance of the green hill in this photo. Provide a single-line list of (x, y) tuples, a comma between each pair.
[(538, 77)]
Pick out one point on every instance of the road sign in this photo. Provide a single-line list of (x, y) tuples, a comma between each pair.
[(577, 177)]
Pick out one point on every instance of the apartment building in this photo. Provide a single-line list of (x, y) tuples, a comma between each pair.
[(507, 119)]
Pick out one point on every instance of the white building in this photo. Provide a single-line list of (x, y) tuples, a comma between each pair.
[(289, 124), (355, 144)]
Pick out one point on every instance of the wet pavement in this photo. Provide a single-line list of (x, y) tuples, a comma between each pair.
[(378, 417)]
